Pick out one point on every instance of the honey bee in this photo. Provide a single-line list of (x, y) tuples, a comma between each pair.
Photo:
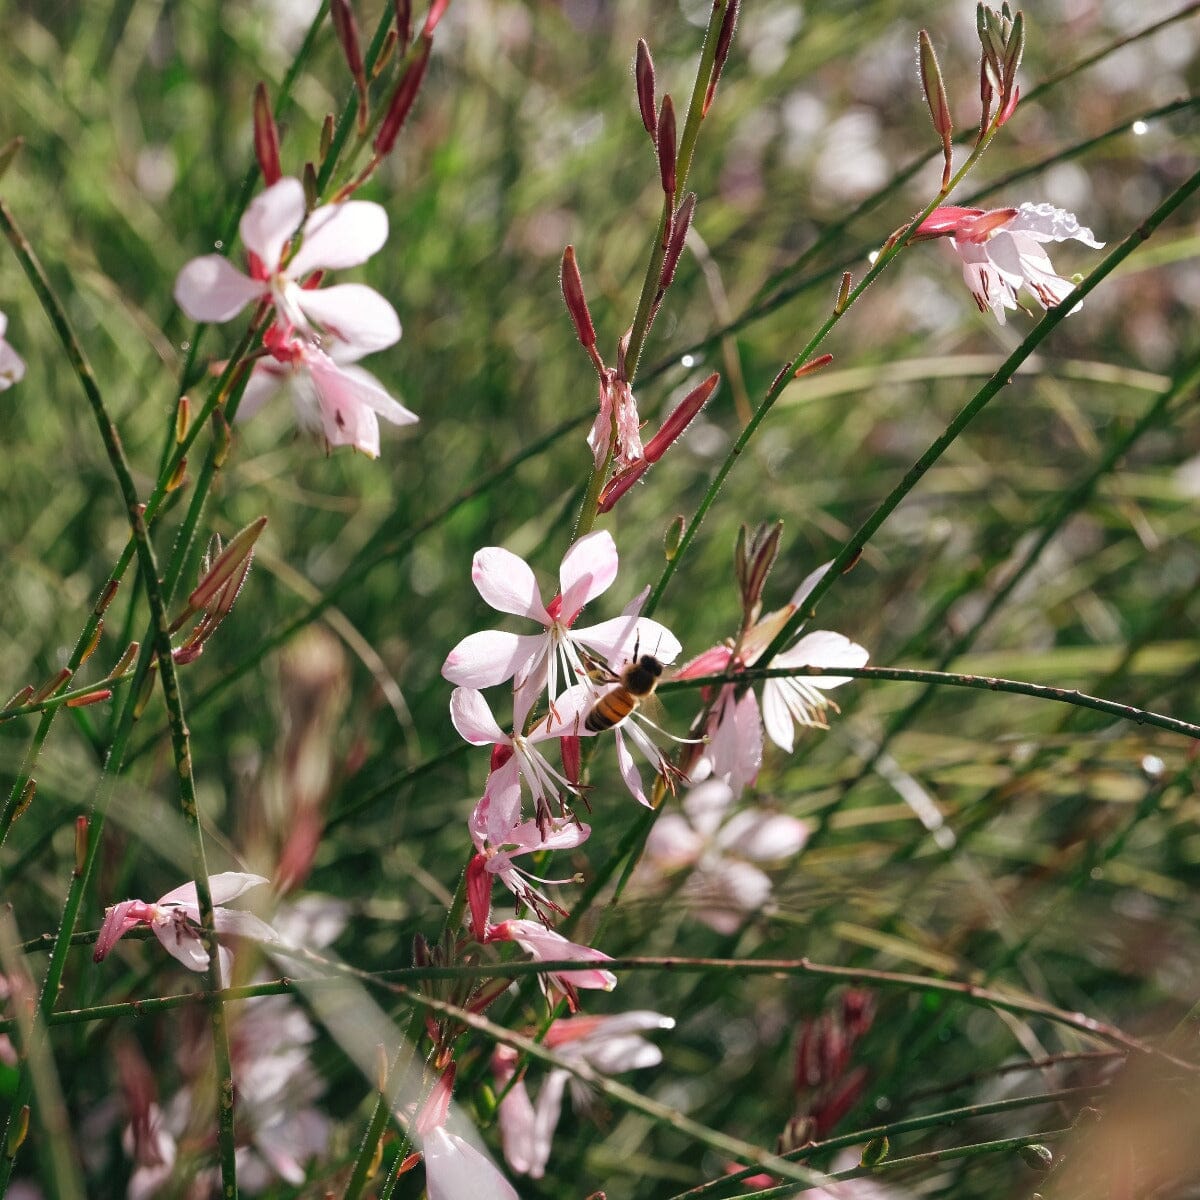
[(636, 682)]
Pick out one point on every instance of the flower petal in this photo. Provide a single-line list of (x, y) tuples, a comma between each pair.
[(1046, 223), (763, 836), (181, 940), (488, 658), (340, 235), (211, 288), (507, 583), (454, 1170), (706, 804), (271, 219), (588, 570), (473, 718), (12, 367), (823, 648), (353, 313)]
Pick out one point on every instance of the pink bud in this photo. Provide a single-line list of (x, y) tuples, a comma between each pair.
[(666, 146), (724, 38), (682, 416), (479, 897), (679, 227), (346, 28), (402, 101), (437, 10), (644, 74), (266, 138), (572, 289), (620, 483)]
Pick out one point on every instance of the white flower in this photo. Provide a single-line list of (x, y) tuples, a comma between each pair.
[(12, 369)]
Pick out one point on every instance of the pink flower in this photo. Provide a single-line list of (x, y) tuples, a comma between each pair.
[(332, 398), (544, 945), (1002, 250), (175, 919), (455, 1170), (535, 661), (609, 1045), (560, 833), (12, 369), (210, 288), (723, 886), (500, 809)]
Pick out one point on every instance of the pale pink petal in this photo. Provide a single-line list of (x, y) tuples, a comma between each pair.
[(181, 940), (455, 1170), (547, 946), (706, 804), (507, 583), (709, 662), (271, 219), (374, 395), (265, 382), (12, 366), (588, 570), (239, 923), (615, 640), (525, 1151), (340, 235), (825, 649), (223, 887), (809, 582), (488, 658), (628, 768), (763, 836), (570, 708), (672, 843), (346, 420), (473, 718), (502, 801), (210, 288), (527, 837), (119, 919), (726, 892), (354, 313)]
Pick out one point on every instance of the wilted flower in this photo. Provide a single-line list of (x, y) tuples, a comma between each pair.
[(12, 369), (1002, 250), (618, 409), (609, 1045), (723, 886), (175, 919)]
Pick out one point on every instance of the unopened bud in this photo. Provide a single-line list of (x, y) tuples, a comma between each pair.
[(93, 642), (1037, 1157), (673, 537), (18, 1130), (230, 567), (19, 698), (681, 417), (385, 54), (326, 139), (407, 1165), (437, 10), (754, 558), (679, 228), (724, 37), (402, 101), (666, 146), (54, 684), (144, 694), (183, 419), (404, 23), (620, 483), (874, 1152), (222, 438), (799, 1131), (813, 365), (81, 844), (572, 290), (346, 28), (27, 794), (266, 137), (106, 597), (644, 74), (10, 151), (420, 953), (124, 662), (177, 476), (87, 698), (486, 1099), (312, 193), (935, 98), (843, 296)]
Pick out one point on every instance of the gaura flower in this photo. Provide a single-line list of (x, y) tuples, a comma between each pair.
[(609, 1045), (723, 886), (332, 397), (12, 368), (539, 660), (544, 945), (617, 408), (516, 756), (175, 919), (210, 288), (1002, 249)]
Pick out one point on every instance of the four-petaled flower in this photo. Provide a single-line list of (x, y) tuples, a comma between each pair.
[(609, 1045), (175, 919), (1002, 249), (723, 886), (535, 661), (12, 369)]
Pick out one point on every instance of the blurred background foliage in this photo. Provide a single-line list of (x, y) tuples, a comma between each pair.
[(1070, 852)]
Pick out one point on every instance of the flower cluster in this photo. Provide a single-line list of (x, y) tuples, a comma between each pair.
[(317, 334)]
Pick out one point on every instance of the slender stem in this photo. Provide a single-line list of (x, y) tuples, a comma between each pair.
[(987, 683)]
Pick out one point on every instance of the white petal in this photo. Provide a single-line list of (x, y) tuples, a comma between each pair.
[(488, 658), (588, 569), (502, 801), (1050, 224), (629, 771), (673, 843), (340, 235), (271, 219), (229, 885), (183, 943), (763, 836), (354, 313), (210, 288), (507, 583), (12, 368), (455, 1170), (243, 924), (706, 804), (825, 649), (473, 718), (265, 381), (809, 582), (346, 419), (776, 717), (374, 395)]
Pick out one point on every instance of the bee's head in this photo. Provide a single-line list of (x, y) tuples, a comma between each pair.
[(647, 662)]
